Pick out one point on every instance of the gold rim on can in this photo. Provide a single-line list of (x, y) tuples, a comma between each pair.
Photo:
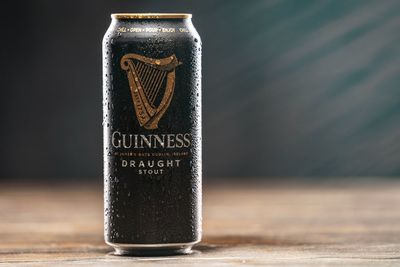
[(151, 16)]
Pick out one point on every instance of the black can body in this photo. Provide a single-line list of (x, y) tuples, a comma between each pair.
[(152, 133)]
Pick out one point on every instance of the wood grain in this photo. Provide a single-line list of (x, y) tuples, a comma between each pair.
[(345, 224)]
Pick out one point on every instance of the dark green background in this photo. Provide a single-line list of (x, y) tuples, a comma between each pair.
[(290, 88)]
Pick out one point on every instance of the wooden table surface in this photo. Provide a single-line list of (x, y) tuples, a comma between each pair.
[(346, 224)]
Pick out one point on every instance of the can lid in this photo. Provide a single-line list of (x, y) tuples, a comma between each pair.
[(151, 16)]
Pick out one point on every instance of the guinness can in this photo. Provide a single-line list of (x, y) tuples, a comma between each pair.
[(152, 134)]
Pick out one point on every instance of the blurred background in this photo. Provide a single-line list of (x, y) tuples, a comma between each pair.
[(291, 88)]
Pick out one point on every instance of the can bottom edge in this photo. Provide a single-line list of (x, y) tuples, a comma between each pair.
[(152, 249)]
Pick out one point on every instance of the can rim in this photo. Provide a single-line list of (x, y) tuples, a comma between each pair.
[(151, 16)]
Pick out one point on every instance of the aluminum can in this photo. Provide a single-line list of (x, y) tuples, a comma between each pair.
[(152, 134)]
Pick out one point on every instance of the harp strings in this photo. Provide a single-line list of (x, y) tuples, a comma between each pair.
[(157, 86), (151, 85), (151, 80)]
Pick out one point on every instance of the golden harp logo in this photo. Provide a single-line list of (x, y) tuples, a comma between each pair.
[(152, 84)]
